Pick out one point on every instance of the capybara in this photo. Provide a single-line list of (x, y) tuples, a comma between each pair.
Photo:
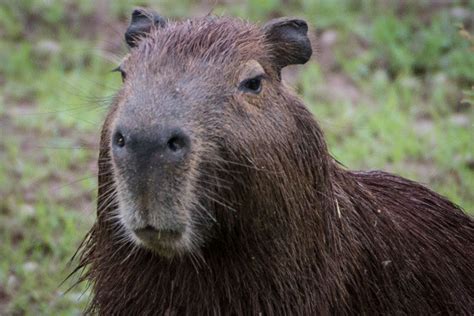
[(218, 196)]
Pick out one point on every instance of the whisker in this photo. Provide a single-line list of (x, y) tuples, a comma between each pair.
[(67, 147), (207, 175), (253, 167), (207, 193), (206, 211), (73, 109), (214, 184), (74, 182)]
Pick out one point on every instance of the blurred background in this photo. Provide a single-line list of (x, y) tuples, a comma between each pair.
[(391, 83)]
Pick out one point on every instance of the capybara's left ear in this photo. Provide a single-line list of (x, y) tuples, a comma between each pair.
[(141, 24), (289, 40)]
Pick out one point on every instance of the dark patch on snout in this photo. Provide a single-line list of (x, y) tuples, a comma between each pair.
[(165, 146)]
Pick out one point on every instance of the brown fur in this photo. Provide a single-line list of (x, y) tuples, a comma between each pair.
[(296, 234)]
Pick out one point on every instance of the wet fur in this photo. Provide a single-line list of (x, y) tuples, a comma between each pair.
[(296, 233)]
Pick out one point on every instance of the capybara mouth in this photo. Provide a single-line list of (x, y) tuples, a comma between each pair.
[(152, 234), (163, 241)]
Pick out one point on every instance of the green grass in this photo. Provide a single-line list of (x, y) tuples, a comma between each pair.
[(387, 93)]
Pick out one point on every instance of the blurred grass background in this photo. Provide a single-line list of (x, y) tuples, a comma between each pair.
[(391, 83)]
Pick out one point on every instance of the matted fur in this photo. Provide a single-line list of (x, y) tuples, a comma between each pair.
[(296, 234)]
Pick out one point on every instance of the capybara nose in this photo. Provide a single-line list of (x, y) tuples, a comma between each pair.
[(166, 145)]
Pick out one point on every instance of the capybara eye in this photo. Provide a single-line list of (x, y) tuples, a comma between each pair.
[(253, 85), (175, 143), (124, 75), (119, 140)]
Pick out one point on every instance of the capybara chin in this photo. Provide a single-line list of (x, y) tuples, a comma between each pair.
[(217, 194)]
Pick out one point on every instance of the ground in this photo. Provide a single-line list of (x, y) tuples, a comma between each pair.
[(391, 83)]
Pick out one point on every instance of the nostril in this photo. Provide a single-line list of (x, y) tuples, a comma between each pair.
[(119, 140), (177, 143), (172, 143)]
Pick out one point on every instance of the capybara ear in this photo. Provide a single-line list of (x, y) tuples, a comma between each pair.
[(140, 25), (289, 40)]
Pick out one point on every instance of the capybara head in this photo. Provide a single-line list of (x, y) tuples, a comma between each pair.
[(217, 194), (198, 95)]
